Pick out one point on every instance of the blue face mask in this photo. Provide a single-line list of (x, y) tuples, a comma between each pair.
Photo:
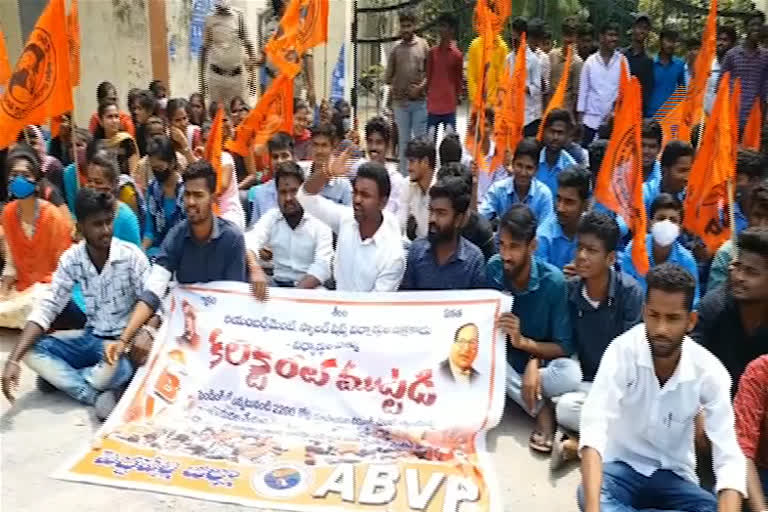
[(21, 187)]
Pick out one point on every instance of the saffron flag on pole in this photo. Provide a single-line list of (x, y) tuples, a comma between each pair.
[(510, 110), (303, 26), (671, 117), (73, 31), (39, 87), (694, 101), (213, 147), (476, 126), (558, 98), (620, 180), (753, 130), (713, 167), (5, 65), (272, 113)]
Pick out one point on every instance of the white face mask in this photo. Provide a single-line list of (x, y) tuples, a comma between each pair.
[(162, 103), (665, 232)]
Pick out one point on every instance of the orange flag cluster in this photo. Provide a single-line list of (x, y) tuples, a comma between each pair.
[(40, 86), (510, 110), (558, 98), (693, 110), (713, 169), (620, 180), (303, 26)]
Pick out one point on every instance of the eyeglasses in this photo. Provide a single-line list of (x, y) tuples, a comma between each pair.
[(466, 343)]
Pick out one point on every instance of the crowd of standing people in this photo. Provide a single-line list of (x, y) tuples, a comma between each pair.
[(641, 377)]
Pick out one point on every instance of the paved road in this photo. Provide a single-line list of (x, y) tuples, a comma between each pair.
[(42, 430)]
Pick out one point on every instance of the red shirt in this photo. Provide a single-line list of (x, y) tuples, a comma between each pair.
[(444, 78), (750, 407)]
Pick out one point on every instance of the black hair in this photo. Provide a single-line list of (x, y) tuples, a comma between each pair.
[(103, 90), (420, 148), (670, 34), (23, 151), (751, 15), (569, 26), (378, 124), (692, 42), (201, 169), (729, 31), (192, 97), (90, 202), (175, 104), (603, 226), (82, 134), (528, 147), (586, 29), (154, 84), (536, 28), (455, 170), (289, 169), (106, 161), (161, 146), (674, 151), (519, 222), (520, 25), (213, 109), (754, 240), (447, 19), (671, 278), (652, 130), (104, 105), (575, 177), (93, 147), (377, 172), (299, 104), (751, 163), (132, 96), (146, 101), (323, 129), (597, 151), (278, 141), (450, 149), (609, 26), (759, 195), (559, 114), (455, 189), (665, 201), (407, 15), (237, 99)]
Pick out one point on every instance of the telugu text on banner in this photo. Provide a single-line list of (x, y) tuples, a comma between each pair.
[(313, 401)]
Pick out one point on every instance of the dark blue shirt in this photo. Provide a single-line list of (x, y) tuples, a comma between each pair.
[(666, 78), (595, 328), (220, 258), (542, 307), (465, 269)]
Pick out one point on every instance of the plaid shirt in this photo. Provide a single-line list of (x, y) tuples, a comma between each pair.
[(110, 295)]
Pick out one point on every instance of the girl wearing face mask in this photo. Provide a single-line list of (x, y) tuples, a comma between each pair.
[(663, 244), (155, 126), (165, 193), (185, 136), (36, 234)]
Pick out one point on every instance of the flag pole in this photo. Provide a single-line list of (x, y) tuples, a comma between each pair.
[(732, 214)]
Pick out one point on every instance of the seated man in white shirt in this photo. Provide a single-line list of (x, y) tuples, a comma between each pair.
[(421, 156), (300, 246), (369, 253), (637, 425)]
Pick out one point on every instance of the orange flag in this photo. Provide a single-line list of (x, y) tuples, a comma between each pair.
[(753, 130), (39, 87), (713, 168), (476, 128), (5, 65), (671, 117), (510, 110), (73, 31), (694, 100), (273, 113), (558, 98), (213, 148), (620, 180), (303, 26)]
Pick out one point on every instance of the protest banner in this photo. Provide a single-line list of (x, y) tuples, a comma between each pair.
[(313, 401)]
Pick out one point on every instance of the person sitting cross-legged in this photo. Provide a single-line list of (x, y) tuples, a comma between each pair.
[(113, 275), (538, 327), (637, 424)]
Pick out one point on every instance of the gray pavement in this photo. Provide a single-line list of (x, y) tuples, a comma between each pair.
[(40, 431)]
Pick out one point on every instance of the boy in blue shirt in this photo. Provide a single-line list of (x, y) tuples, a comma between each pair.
[(554, 158)]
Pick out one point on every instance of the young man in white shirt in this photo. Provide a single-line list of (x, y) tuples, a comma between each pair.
[(369, 252), (599, 83), (637, 424), (533, 78), (300, 246), (421, 156)]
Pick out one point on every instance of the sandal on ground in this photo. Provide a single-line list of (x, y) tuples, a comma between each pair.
[(539, 443)]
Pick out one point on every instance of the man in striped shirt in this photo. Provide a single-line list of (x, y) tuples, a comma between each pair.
[(751, 409)]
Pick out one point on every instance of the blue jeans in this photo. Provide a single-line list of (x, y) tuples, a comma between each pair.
[(626, 490), (411, 120), (68, 362), (435, 120)]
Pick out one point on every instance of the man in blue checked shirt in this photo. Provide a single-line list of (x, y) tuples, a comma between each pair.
[(554, 158), (522, 187), (557, 235)]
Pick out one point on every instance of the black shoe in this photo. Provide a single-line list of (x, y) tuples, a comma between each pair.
[(44, 386)]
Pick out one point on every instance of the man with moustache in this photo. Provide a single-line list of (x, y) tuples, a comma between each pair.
[(637, 425), (538, 327), (445, 260)]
